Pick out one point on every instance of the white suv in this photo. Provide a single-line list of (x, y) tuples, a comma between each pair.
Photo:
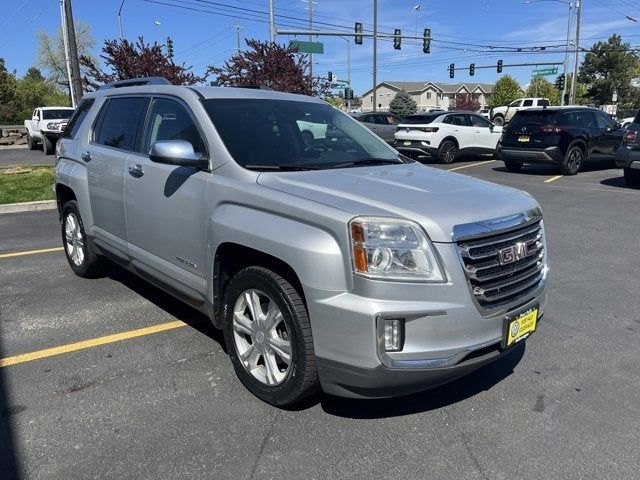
[(446, 135), (502, 115)]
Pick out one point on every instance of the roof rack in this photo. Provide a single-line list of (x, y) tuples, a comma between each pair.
[(136, 82), (254, 87)]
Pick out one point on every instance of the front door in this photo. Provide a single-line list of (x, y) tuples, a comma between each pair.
[(486, 135), (164, 204), (610, 136)]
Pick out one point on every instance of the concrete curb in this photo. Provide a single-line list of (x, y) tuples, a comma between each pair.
[(28, 207), (13, 147)]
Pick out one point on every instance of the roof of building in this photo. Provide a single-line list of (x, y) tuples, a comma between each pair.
[(443, 87)]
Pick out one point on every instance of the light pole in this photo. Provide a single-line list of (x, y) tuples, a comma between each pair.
[(375, 54), (310, 2), (348, 69), (574, 79), (417, 9), (566, 50), (120, 19)]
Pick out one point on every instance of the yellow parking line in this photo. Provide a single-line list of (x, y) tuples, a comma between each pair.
[(552, 179), (94, 342), (470, 165), (31, 252)]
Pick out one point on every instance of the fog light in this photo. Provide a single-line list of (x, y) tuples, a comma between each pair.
[(392, 335)]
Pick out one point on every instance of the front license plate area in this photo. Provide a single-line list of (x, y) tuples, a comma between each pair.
[(518, 327), (524, 138)]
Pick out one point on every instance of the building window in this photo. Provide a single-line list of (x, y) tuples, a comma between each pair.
[(381, 95), (388, 94), (371, 98), (428, 95)]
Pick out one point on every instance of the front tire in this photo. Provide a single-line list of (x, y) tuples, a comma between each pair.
[(513, 166), (498, 120), (48, 145), (572, 162), (31, 143), (83, 260), (447, 152), (268, 337), (632, 177)]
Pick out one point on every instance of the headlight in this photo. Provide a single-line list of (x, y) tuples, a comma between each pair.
[(53, 126), (393, 249)]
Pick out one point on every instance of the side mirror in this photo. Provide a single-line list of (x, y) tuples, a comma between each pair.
[(491, 127), (35, 117), (177, 152)]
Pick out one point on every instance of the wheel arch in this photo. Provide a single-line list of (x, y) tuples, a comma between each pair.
[(449, 137), (64, 194), (582, 143)]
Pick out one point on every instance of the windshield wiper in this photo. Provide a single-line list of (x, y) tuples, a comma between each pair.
[(283, 167), (370, 161)]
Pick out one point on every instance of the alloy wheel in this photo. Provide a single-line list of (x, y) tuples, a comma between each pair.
[(575, 160), (261, 337), (74, 241)]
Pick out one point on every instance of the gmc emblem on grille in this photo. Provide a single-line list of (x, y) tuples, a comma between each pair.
[(514, 253)]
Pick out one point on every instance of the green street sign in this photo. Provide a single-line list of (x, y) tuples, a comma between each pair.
[(307, 47), (542, 72)]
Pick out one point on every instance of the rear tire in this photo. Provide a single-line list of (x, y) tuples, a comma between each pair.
[(572, 162), (82, 258), (31, 143), (447, 151), (48, 146), (513, 166), (498, 120), (268, 337), (632, 177)]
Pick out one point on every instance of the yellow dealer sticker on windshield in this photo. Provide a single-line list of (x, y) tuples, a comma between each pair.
[(521, 327)]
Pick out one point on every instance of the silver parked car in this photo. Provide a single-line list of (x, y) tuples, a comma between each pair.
[(383, 124), (333, 263)]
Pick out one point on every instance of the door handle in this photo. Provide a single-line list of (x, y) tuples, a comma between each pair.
[(136, 171), (86, 156)]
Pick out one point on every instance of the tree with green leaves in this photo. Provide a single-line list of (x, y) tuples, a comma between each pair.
[(8, 85), (402, 104), (541, 87), (609, 67), (50, 56), (506, 90)]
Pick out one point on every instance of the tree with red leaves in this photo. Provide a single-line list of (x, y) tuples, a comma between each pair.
[(132, 60), (271, 65), (466, 101)]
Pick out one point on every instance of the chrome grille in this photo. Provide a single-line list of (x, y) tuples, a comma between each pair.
[(496, 282)]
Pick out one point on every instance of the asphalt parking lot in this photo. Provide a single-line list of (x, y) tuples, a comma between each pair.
[(150, 392)]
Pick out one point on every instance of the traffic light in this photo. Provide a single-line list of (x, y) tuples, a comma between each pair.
[(452, 70), (426, 40), (560, 81), (472, 69), (169, 47), (348, 93), (397, 38), (330, 76), (499, 66), (358, 30)]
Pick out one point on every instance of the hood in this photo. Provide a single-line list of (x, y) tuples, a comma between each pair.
[(436, 199)]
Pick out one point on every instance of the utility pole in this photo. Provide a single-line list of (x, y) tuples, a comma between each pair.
[(76, 82), (67, 60), (237, 26), (566, 57), (272, 21), (574, 80), (310, 3), (120, 20), (348, 69), (375, 53)]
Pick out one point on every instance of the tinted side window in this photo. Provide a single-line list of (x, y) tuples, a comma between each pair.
[(543, 102), (169, 120), (527, 103), (78, 117), (585, 119), (603, 121), (118, 123), (478, 121)]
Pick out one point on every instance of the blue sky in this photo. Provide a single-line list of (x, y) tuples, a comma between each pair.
[(203, 31)]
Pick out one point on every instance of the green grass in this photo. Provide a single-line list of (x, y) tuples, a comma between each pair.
[(22, 183)]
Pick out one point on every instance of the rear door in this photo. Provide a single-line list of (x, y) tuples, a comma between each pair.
[(113, 139), (462, 130), (164, 204), (387, 127)]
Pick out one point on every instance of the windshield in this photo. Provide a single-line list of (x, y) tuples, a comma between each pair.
[(56, 114), (532, 117), (275, 134)]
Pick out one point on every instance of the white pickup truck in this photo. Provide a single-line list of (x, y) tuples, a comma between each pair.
[(502, 115), (46, 126)]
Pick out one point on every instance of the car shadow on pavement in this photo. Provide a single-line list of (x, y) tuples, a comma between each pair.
[(618, 182), (478, 381), (593, 164), (167, 302)]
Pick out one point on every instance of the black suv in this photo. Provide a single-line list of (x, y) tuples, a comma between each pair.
[(564, 136), (628, 155)]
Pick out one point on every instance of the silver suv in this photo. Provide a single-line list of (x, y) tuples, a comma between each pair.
[(330, 263)]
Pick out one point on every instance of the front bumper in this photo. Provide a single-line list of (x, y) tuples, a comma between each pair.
[(626, 158), (530, 155), (445, 334), (52, 134)]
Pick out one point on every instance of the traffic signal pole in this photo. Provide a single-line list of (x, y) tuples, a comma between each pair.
[(566, 57), (574, 79), (375, 54)]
